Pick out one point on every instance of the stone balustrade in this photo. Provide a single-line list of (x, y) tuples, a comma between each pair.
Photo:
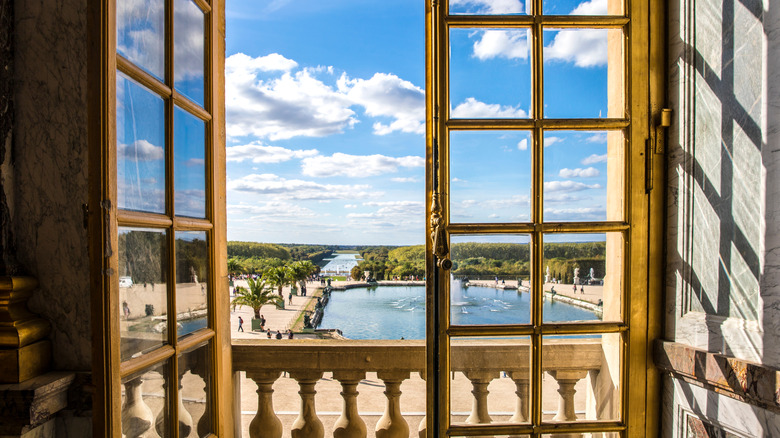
[(567, 361)]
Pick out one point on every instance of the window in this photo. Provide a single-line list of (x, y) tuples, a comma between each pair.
[(161, 158), (594, 364)]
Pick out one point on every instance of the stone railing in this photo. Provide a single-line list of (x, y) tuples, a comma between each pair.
[(567, 361)]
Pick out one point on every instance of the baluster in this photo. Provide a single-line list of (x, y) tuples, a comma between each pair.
[(185, 418), (422, 429), (137, 417), (566, 381), (265, 424), (392, 423), (349, 424), (521, 384), (479, 383), (307, 425)]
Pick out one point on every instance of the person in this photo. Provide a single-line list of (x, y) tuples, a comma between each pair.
[(262, 321), (240, 324), (126, 309), (269, 334), (552, 290), (278, 334), (289, 334), (575, 288), (289, 298), (582, 289)]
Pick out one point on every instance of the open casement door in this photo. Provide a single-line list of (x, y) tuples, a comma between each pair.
[(550, 374), (157, 219)]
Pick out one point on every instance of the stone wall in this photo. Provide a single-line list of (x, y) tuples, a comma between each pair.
[(723, 249), (50, 169)]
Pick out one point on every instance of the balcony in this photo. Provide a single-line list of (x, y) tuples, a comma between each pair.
[(317, 388), (376, 388)]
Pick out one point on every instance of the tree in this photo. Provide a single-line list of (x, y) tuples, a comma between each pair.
[(234, 266), (301, 270), (258, 295), (278, 276)]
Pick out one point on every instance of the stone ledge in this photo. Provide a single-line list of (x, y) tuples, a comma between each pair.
[(752, 383), (27, 405)]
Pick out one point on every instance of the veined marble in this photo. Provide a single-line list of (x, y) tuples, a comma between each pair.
[(50, 171)]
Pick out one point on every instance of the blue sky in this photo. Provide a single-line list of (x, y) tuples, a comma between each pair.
[(325, 120)]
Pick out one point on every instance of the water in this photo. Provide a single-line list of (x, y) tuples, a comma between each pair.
[(392, 312), (341, 263)]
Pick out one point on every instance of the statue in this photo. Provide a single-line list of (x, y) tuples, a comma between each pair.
[(307, 321), (591, 274), (576, 275), (547, 275)]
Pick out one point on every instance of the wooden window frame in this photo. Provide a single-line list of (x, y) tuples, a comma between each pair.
[(642, 225), (104, 219)]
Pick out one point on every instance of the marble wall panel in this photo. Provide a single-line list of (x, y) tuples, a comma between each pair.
[(685, 402), (717, 178), (50, 170)]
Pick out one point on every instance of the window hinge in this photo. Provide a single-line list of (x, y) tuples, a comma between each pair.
[(662, 121)]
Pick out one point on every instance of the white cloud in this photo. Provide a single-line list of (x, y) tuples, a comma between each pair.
[(584, 47), (391, 209), (141, 150), (523, 144), (575, 214), (549, 141), (387, 95), (299, 103), (259, 153), (268, 210), (592, 7), (473, 109), (490, 6), (282, 188), (593, 159), (509, 44), (242, 66), (404, 180), (340, 164), (350, 206), (195, 162), (293, 104), (588, 172), (599, 137), (568, 186)]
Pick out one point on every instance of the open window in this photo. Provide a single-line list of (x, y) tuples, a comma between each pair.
[(157, 148), (572, 178)]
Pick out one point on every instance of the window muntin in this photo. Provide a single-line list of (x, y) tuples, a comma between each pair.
[(163, 197), (547, 115)]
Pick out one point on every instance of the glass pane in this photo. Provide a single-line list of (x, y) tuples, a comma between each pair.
[(582, 7), (583, 73), (195, 393), (583, 277), (490, 176), (490, 380), (489, 7), (140, 136), (140, 34), (581, 379), (143, 267), (192, 274), (583, 176), (189, 156), (188, 55), (145, 403), (498, 57), (489, 281)]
